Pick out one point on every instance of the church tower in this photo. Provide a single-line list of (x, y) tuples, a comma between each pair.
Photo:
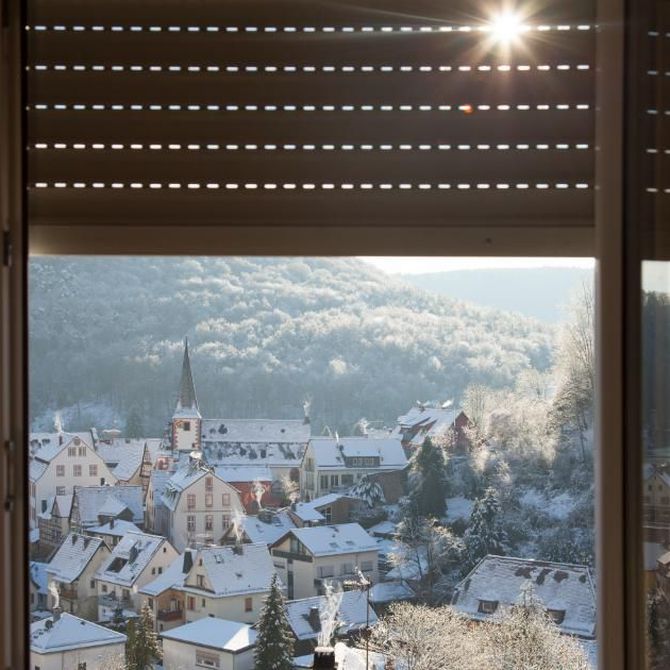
[(186, 420)]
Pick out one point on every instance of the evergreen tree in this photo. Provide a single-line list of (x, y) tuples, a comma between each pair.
[(142, 644), (134, 427), (274, 644), (484, 535), (369, 491), (427, 484)]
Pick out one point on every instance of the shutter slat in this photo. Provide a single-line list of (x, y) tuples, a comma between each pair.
[(473, 165), (531, 88)]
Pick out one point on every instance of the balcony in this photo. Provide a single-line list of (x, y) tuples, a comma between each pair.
[(170, 615), (113, 601)]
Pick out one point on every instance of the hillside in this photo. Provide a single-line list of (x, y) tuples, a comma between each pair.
[(265, 335), (540, 293)]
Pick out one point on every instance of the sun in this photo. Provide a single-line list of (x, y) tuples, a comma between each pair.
[(506, 27)]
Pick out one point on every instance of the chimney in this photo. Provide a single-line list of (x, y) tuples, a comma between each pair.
[(324, 659), (314, 619), (56, 612)]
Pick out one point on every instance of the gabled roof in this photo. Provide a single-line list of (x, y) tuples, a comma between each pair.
[(70, 632), (183, 478), (309, 511), (331, 452), (172, 577), (214, 633), (351, 614), (95, 501), (72, 557), (63, 504), (230, 571), (387, 592), (508, 581), (36, 469), (46, 446), (344, 538), (426, 421), (117, 528), (122, 457), (259, 531), (244, 473), (129, 558), (258, 431)]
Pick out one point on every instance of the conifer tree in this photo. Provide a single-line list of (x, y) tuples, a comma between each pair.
[(142, 645), (484, 535), (427, 484), (134, 427), (274, 644)]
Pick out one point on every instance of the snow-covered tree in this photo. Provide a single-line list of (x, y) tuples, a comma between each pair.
[(368, 491), (427, 480), (485, 535), (142, 647), (134, 425), (274, 645)]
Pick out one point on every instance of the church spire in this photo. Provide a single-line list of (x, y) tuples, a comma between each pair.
[(187, 398)]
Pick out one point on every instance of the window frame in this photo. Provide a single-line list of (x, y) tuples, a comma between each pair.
[(619, 622)]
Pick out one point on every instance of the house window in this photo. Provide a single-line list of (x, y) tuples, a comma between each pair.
[(209, 483), (190, 501), (488, 606), (347, 480), (327, 514), (160, 570), (91, 584), (44, 505), (367, 566), (104, 588), (150, 602), (334, 480), (93, 470), (76, 470), (209, 522), (60, 471), (225, 499), (60, 490), (190, 603), (209, 500), (186, 426), (248, 604), (200, 581), (190, 523), (225, 521), (153, 571), (82, 451), (207, 659), (72, 451), (324, 481), (323, 571), (346, 568)]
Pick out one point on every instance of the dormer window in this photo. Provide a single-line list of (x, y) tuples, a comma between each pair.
[(557, 616), (200, 579), (487, 606)]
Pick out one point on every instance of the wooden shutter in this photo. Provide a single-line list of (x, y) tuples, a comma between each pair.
[(316, 120)]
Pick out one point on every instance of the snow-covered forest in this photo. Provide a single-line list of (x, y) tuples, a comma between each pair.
[(106, 336)]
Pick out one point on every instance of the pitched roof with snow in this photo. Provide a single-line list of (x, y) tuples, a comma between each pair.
[(387, 592), (123, 457), (70, 632), (46, 446), (129, 558), (173, 576), (111, 500), (247, 568), (266, 532), (36, 469), (185, 476), (309, 511), (560, 587), (214, 633), (422, 422), (344, 538), (62, 506), (244, 473), (72, 557), (278, 443), (117, 528), (351, 614), (330, 452)]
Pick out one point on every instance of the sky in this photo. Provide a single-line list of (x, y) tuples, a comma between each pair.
[(420, 265)]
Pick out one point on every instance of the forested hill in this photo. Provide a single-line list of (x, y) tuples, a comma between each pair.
[(265, 334)]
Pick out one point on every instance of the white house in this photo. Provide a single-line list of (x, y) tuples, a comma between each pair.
[(136, 560), (71, 573), (335, 464), (226, 582), (308, 558), (209, 643), (66, 641), (194, 506), (498, 583), (56, 467)]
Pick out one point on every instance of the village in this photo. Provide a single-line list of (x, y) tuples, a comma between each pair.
[(191, 533)]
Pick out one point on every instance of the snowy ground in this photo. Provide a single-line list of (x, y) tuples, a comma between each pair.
[(458, 508), (558, 506)]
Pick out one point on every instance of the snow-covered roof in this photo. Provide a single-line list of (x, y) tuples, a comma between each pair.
[(46, 446), (423, 421), (244, 473), (383, 529), (154, 446), (70, 632), (129, 558), (266, 532), (260, 431), (95, 501), (63, 504), (309, 511), (507, 580), (387, 592), (116, 527), (158, 481), (344, 538), (38, 575), (351, 614), (247, 568), (173, 576), (184, 477), (330, 452), (72, 557), (36, 469), (123, 456), (214, 633)]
